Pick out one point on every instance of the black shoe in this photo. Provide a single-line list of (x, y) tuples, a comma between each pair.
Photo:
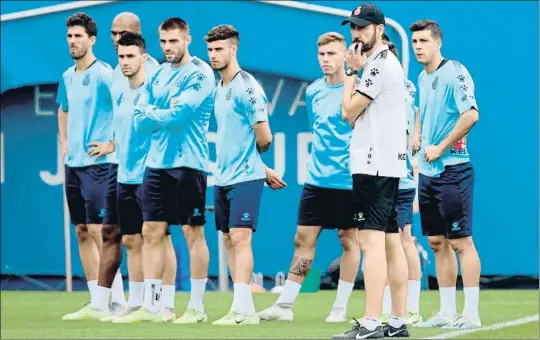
[(360, 332), (400, 332)]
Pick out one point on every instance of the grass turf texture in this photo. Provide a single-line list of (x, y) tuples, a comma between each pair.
[(36, 315)]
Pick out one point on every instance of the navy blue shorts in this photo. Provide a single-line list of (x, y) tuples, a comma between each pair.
[(237, 205), (375, 202), (176, 196), (86, 191), (405, 201), (446, 202), (130, 216), (326, 208)]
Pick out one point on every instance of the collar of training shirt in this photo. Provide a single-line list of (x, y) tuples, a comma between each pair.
[(377, 52)]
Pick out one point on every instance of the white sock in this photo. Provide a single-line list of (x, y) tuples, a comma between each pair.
[(92, 285), (234, 302), (396, 321), (196, 298), (387, 301), (448, 301), (136, 293), (152, 292), (117, 292), (344, 290), (371, 323), (244, 299), (287, 297), (100, 299), (472, 296), (167, 296), (413, 296)]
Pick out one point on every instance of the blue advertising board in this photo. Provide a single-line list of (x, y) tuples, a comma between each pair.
[(278, 45)]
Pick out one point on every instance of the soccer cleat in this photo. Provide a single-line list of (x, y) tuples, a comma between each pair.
[(413, 318), (120, 314), (463, 322), (237, 319), (337, 316), (140, 315), (116, 308), (276, 313), (436, 320), (225, 320), (360, 332), (191, 316), (399, 332), (168, 314), (86, 313)]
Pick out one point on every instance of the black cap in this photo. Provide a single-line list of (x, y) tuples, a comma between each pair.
[(364, 15)]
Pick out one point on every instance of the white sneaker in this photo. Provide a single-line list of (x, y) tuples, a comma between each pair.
[(434, 321), (337, 316), (120, 314), (276, 313), (463, 322), (168, 314)]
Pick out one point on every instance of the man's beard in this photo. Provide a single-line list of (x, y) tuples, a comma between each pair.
[(78, 55), (179, 58), (224, 67), (369, 45)]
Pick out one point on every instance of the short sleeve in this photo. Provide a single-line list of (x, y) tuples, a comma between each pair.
[(61, 96), (372, 81), (255, 104), (463, 90)]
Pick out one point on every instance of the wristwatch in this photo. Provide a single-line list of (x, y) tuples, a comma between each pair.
[(351, 71)]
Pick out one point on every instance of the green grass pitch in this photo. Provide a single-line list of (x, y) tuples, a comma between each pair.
[(36, 315)]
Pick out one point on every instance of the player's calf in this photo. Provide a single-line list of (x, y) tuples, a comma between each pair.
[(134, 245), (153, 263), (470, 264), (415, 275), (397, 278), (88, 252)]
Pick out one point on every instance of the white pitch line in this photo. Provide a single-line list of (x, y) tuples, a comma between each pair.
[(501, 325)]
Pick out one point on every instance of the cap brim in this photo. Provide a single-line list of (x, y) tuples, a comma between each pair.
[(356, 21)]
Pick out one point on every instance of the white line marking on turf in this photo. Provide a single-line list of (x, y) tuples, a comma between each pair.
[(501, 325)]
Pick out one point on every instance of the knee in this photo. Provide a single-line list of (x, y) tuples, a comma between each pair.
[(228, 241), (133, 243), (109, 234), (94, 230), (407, 240), (193, 234), (437, 244), (240, 237), (303, 240), (462, 244), (81, 230), (153, 233), (349, 239)]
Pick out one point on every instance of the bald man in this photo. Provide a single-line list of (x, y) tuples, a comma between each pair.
[(126, 218)]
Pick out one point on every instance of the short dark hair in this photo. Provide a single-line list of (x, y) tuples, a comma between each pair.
[(222, 32), (430, 25), (82, 19), (174, 23), (132, 39)]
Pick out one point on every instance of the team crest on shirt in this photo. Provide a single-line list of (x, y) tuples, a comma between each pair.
[(136, 100), (86, 80), (200, 76), (358, 10), (229, 94)]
